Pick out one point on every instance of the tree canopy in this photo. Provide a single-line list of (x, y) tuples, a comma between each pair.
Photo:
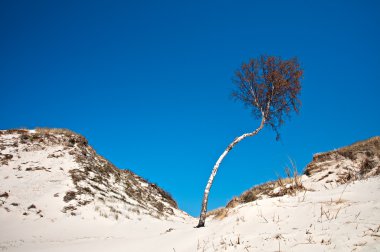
[(270, 87)]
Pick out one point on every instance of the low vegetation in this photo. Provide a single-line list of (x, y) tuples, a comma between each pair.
[(93, 177), (4, 195), (290, 185), (98, 178), (369, 147), (360, 160)]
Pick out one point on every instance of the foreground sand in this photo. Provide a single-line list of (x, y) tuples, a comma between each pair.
[(344, 218)]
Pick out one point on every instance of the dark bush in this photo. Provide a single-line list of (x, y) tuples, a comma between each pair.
[(70, 195), (31, 206), (4, 195), (69, 208), (8, 156)]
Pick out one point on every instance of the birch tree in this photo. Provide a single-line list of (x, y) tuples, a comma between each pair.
[(270, 87)]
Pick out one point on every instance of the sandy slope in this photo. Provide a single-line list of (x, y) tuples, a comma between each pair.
[(56, 174), (345, 218)]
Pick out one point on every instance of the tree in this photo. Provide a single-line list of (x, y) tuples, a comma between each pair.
[(270, 87)]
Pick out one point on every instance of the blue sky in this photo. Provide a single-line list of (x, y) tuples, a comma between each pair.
[(149, 82)]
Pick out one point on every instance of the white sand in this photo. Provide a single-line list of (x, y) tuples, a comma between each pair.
[(340, 219)]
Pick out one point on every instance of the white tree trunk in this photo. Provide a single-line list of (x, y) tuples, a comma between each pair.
[(202, 217)]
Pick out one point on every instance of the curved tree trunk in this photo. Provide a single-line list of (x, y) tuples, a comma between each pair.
[(202, 217)]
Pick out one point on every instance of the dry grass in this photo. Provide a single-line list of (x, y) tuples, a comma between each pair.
[(367, 166), (95, 175), (47, 137), (219, 213), (159, 206), (12, 131), (165, 195), (290, 185), (103, 178), (368, 147), (364, 156), (55, 131)]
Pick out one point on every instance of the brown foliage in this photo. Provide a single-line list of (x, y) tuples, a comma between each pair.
[(270, 87)]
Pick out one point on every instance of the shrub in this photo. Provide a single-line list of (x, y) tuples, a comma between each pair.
[(366, 167), (70, 195), (4, 195), (68, 208), (32, 206)]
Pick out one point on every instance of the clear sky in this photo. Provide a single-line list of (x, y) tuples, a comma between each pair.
[(149, 83)]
